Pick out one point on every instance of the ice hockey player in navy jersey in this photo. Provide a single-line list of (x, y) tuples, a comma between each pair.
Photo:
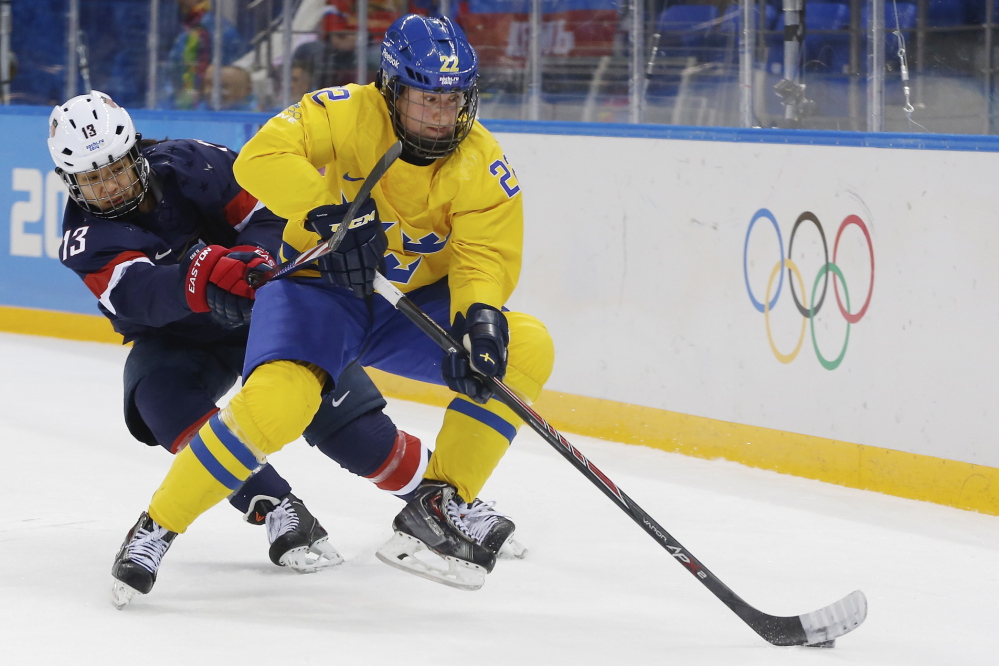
[(164, 237)]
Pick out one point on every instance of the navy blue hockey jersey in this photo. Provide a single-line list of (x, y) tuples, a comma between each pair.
[(132, 264)]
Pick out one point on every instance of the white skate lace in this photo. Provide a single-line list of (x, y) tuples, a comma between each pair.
[(281, 520), (479, 518), (454, 512), (147, 547)]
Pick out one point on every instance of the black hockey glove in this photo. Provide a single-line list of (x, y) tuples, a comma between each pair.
[(360, 254), (215, 281), (484, 333)]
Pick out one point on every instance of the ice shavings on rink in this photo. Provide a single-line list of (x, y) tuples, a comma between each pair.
[(593, 589)]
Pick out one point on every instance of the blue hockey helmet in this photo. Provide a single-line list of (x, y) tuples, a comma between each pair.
[(430, 55)]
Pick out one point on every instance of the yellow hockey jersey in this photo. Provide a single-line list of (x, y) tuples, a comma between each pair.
[(460, 217)]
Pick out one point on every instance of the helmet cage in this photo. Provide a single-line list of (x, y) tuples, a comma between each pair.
[(97, 191), (442, 142), (433, 56)]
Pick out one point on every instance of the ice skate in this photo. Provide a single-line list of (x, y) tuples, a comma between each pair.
[(297, 539), (432, 541), (491, 529), (138, 560)]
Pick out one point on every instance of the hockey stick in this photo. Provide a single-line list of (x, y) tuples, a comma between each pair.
[(818, 628), (292, 265)]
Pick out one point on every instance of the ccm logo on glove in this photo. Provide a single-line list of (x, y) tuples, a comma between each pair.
[(353, 263), (319, 220)]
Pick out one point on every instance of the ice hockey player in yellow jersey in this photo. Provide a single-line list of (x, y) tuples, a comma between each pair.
[(445, 225)]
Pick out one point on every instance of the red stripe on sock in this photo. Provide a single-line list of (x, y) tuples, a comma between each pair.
[(185, 437), (401, 465)]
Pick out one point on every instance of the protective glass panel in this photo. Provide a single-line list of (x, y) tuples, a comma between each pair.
[(577, 39), (37, 43), (692, 71), (937, 59), (653, 61), (185, 37)]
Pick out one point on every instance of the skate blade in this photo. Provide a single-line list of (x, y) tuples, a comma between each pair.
[(401, 552), (315, 557), (512, 549), (122, 594)]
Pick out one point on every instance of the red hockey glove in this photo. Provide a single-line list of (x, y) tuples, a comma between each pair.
[(216, 281)]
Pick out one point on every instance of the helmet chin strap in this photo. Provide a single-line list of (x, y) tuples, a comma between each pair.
[(409, 157)]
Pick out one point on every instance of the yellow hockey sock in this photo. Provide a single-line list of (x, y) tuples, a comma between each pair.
[(471, 443), (475, 437), (275, 404), (212, 466)]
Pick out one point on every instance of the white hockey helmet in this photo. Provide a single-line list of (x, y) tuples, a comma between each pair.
[(96, 151)]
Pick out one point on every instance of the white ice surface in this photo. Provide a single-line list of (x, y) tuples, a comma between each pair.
[(594, 589)]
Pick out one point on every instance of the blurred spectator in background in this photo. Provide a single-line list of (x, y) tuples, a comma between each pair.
[(237, 90), (331, 60), (191, 53), (307, 69), (338, 33)]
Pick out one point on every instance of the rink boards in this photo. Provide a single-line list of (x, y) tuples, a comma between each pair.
[(819, 304)]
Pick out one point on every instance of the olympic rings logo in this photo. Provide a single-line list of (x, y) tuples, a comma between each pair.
[(827, 267)]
